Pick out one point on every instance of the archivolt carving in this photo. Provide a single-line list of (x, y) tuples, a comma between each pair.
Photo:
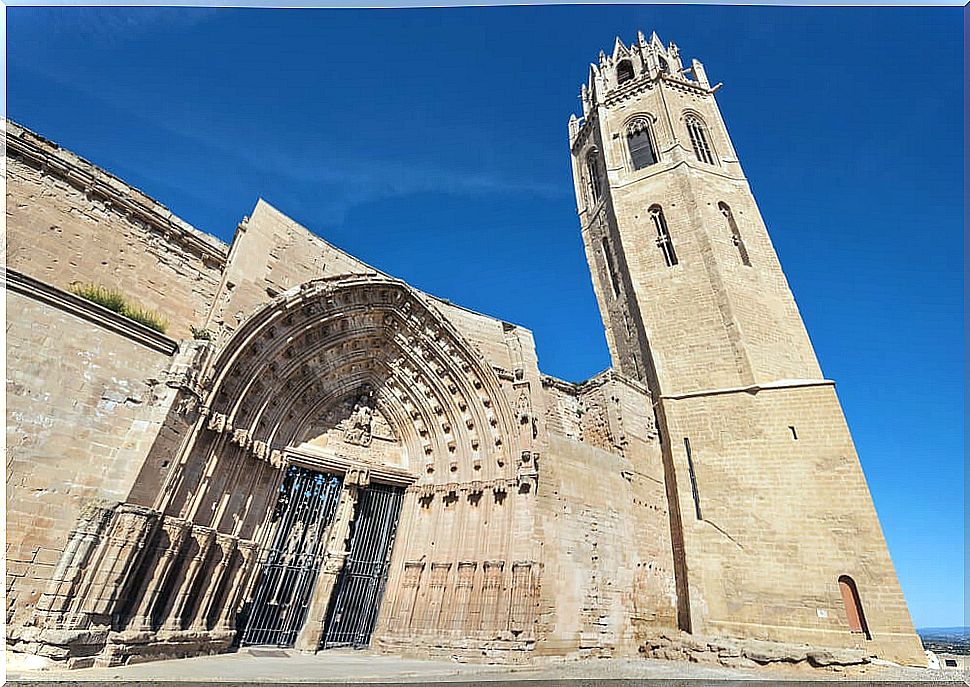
[(320, 343)]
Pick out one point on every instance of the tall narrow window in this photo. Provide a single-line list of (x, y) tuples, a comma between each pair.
[(663, 236), (698, 139), (853, 606), (593, 174), (693, 479), (639, 139), (735, 234), (624, 71), (610, 267)]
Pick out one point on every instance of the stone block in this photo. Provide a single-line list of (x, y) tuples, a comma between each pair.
[(837, 657), (772, 652)]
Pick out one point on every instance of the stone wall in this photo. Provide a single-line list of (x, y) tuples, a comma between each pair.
[(769, 506), (782, 511), (68, 221), (85, 401), (608, 577)]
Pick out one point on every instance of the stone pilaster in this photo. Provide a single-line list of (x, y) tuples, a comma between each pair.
[(203, 537), (170, 537), (333, 562)]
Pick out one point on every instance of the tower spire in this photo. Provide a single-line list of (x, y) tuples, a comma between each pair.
[(619, 50)]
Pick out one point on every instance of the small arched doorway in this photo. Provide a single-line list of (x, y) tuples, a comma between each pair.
[(853, 607)]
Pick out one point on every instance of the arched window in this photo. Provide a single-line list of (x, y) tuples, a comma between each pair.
[(853, 606), (664, 67), (639, 138), (624, 71), (699, 139), (593, 179), (735, 234), (663, 236)]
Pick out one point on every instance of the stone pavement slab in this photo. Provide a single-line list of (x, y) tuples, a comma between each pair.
[(277, 666)]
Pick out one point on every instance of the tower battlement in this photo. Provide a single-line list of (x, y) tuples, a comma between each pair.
[(631, 68)]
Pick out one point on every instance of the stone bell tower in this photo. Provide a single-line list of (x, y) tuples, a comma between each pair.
[(774, 532)]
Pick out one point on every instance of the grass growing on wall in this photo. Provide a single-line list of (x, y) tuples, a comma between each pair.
[(117, 302)]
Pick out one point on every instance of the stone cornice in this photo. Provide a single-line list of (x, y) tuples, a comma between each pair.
[(752, 389), (632, 89), (88, 177), (92, 312)]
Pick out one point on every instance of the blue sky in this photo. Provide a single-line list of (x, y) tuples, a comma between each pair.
[(432, 144)]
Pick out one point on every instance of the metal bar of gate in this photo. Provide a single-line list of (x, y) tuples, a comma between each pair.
[(306, 506), (361, 584), (261, 608)]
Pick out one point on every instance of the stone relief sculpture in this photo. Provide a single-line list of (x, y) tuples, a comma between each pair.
[(358, 430)]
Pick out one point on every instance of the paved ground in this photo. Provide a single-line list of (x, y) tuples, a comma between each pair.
[(275, 666)]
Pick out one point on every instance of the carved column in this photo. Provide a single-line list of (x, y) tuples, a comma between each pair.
[(130, 527), (210, 593), (336, 552), (203, 537), (61, 592), (169, 541), (240, 584)]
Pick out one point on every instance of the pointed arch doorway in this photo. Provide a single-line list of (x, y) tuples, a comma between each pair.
[(317, 416), (305, 569)]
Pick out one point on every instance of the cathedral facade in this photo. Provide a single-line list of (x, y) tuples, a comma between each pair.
[(315, 454)]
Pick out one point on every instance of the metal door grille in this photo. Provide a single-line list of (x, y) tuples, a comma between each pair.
[(303, 514), (360, 587)]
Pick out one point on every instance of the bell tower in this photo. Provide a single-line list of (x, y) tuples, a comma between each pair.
[(769, 508), (688, 283)]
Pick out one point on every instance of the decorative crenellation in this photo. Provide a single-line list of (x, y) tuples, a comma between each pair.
[(631, 70)]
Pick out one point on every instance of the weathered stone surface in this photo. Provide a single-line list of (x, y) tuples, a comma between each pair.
[(69, 221), (771, 652), (840, 657), (771, 506), (72, 638), (71, 438)]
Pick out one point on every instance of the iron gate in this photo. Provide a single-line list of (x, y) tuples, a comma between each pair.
[(304, 511), (353, 610)]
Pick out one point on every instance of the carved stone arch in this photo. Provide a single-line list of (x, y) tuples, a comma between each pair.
[(640, 127), (691, 113), (637, 121), (316, 343), (359, 376)]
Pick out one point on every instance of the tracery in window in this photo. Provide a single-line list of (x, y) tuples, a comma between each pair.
[(699, 139), (639, 137)]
